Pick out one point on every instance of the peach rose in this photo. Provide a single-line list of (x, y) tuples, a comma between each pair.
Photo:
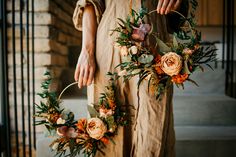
[(171, 63), (96, 128)]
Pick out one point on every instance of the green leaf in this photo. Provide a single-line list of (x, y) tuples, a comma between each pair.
[(92, 111), (162, 46), (186, 69), (175, 42)]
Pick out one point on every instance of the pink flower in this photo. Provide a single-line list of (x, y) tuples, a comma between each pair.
[(187, 51), (67, 131), (105, 112), (62, 130), (71, 133), (140, 33)]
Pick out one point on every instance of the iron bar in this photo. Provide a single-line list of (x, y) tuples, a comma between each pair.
[(228, 72), (232, 49), (5, 90), (223, 37), (22, 78), (14, 79), (33, 72), (28, 78)]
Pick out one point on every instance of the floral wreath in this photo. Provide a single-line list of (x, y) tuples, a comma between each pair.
[(85, 136), (164, 64)]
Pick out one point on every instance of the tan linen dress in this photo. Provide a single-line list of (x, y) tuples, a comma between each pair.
[(152, 133)]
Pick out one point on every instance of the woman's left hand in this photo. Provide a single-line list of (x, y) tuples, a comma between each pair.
[(165, 6)]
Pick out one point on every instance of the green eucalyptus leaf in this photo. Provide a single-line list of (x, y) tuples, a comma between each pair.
[(144, 58)]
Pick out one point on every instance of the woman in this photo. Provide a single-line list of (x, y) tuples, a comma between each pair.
[(153, 133)]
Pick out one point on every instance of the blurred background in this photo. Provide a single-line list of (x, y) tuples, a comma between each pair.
[(38, 35)]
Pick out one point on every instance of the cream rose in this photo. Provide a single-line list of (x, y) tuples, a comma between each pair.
[(61, 121), (171, 63), (96, 128), (133, 50)]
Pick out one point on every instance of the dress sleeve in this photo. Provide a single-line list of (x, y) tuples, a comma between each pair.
[(99, 6)]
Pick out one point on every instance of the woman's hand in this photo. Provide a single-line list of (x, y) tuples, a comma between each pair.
[(85, 68), (165, 6)]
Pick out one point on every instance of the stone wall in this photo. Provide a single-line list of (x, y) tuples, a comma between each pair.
[(57, 46)]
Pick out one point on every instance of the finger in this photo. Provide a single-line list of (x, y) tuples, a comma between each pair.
[(170, 6), (76, 74), (80, 82), (177, 4), (85, 78), (164, 6), (91, 76), (159, 5)]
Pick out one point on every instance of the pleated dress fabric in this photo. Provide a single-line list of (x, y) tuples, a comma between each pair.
[(151, 133)]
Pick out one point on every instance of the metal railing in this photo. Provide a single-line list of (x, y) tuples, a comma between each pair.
[(26, 80), (228, 47)]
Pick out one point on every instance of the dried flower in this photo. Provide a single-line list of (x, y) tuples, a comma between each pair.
[(105, 140), (140, 33), (53, 117), (96, 128), (55, 146), (179, 78), (171, 63), (157, 65), (81, 125)]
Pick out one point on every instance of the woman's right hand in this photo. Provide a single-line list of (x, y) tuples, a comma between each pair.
[(85, 68)]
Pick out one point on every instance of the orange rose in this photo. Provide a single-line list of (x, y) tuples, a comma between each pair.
[(179, 78)]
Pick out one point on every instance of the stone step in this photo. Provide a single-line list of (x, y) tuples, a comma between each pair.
[(209, 82), (191, 141), (188, 110), (204, 110), (204, 141)]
